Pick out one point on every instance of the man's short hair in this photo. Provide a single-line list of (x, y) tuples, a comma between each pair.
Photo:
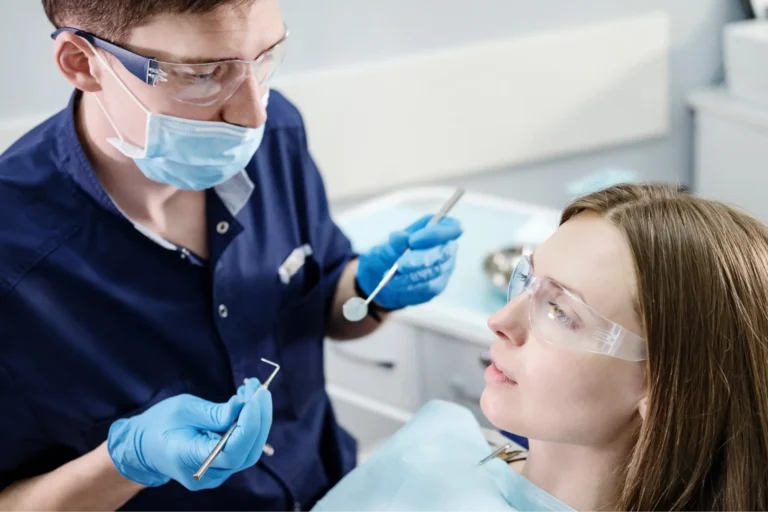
[(114, 19)]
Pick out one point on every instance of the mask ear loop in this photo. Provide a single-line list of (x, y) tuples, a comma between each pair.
[(111, 71)]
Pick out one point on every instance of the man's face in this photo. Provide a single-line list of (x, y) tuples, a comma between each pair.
[(230, 32)]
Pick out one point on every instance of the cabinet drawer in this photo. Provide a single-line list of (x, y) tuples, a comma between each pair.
[(456, 371), (369, 422), (382, 366)]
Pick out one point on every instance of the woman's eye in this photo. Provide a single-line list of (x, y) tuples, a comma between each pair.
[(560, 316)]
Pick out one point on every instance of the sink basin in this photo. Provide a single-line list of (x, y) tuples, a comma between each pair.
[(499, 265)]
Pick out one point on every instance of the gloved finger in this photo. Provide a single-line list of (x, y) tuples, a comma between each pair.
[(204, 444), (265, 416), (421, 259), (398, 243), (246, 435), (212, 478), (419, 224), (424, 290), (247, 390), (405, 282), (205, 415), (190, 448), (199, 448), (427, 291), (447, 229)]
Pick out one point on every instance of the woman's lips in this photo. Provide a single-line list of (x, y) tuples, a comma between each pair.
[(493, 374)]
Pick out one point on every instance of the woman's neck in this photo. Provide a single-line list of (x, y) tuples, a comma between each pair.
[(584, 477)]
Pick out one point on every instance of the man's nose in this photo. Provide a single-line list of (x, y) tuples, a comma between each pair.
[(247, 107)]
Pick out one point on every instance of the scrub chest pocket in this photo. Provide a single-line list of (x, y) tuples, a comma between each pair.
[(299, 330)]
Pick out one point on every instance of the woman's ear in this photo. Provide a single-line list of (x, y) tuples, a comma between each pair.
[(76, 61), (642, 407)]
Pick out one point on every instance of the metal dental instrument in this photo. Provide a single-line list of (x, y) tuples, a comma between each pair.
[(495, 454), (220, 445), (356, 308)]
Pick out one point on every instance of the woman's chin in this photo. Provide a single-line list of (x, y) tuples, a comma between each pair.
[(498, 410)]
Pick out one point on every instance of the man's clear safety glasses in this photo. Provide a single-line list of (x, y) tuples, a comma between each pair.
[(558, 316), (205, 84)]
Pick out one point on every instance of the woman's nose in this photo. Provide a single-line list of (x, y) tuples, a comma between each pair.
[(510, 323)]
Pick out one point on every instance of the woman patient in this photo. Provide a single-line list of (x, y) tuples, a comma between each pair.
[(633, 353)]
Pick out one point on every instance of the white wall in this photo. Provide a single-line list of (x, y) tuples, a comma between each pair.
[(331, 32), (33, 85)]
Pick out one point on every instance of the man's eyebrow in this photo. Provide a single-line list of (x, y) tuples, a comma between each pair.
[(213, 60), (200, 60), (572, 290)]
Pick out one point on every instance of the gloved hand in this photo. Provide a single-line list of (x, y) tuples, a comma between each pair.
[(422, 274), (173, 438)]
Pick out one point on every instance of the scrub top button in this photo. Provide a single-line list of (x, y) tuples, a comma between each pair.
[(223, 311), (222, 227)]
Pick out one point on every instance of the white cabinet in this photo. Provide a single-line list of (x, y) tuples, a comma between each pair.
[(731, 151), (377, 383), (382, 366), (745, 49), (374, 383), (369, 421), (456, 368)]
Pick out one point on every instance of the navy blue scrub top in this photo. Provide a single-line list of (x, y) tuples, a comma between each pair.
[(100, 319)]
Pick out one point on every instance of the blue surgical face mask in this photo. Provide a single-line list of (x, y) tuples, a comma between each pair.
[(185, 153)]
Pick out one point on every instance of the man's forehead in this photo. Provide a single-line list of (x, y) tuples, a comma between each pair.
[(240, 31)]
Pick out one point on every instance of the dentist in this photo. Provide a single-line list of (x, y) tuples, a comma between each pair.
[(158, 237)]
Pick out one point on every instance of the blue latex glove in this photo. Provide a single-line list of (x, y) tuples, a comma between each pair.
[(423, 273), (173, 438)]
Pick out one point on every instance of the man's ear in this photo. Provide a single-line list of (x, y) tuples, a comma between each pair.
[(77, 62), (642, 407)]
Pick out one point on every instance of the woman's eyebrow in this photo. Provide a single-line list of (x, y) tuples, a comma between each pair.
[(565, 287)]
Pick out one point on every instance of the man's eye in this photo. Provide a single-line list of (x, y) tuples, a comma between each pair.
[(200, 73)]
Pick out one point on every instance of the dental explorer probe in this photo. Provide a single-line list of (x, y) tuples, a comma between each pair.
[(220, 445)]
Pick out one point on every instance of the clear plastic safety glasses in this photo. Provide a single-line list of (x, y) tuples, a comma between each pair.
[(205, 84), (558, 316)]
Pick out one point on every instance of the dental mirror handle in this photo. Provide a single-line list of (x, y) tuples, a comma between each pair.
[(384, 280), (449, 204)]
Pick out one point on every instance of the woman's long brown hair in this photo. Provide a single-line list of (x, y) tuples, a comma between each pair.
[(702, 297)]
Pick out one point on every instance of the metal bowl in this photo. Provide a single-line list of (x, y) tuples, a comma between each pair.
[(499, 265)]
